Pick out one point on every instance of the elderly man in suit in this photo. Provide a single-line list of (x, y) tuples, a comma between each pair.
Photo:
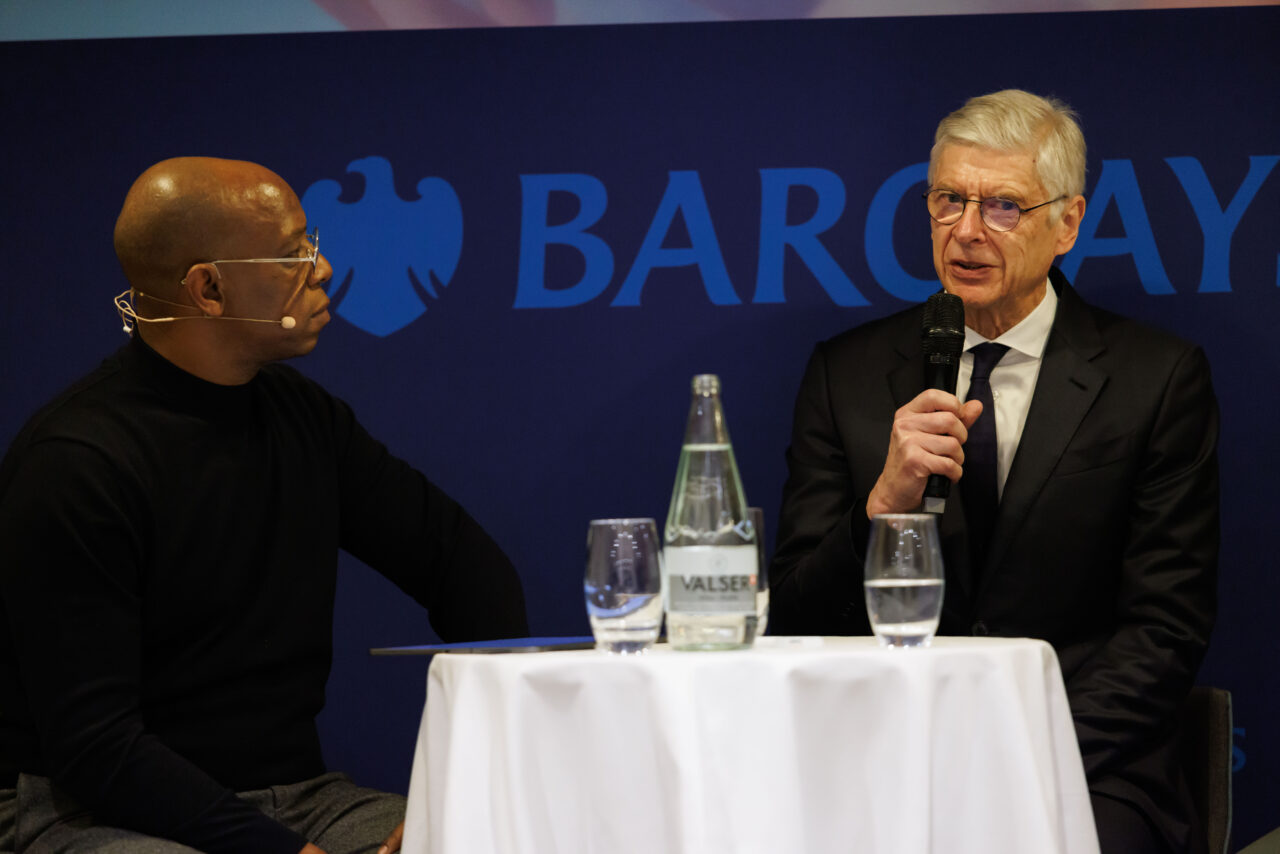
[(1083, 447)]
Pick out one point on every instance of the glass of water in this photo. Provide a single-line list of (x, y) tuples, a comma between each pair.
[(623, 584), (904, 578)]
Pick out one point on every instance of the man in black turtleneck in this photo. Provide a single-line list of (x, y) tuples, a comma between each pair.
[(170, 528)]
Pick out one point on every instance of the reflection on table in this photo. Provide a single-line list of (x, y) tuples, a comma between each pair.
[(799, 745)]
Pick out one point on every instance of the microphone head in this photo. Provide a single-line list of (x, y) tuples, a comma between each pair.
[(942, 330), (288, 322)]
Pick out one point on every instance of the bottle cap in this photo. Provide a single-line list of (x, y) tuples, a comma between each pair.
[(706, 384)]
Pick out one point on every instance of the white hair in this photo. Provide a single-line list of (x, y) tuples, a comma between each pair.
[(1016, 121)]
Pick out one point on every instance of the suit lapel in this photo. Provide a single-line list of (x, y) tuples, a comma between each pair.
[(1066, 388)]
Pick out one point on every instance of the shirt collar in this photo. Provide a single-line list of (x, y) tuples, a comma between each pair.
[(1030, 335)]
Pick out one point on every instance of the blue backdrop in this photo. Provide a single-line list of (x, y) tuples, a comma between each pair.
[(542, 234)]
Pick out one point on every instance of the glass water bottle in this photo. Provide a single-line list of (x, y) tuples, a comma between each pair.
[(710, 560)]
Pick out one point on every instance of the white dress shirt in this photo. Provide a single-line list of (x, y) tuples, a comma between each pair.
[(1013, 380)]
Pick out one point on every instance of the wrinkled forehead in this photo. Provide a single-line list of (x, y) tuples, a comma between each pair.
[(962, 166)]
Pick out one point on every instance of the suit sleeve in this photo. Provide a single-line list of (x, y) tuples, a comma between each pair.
[(815, 580), (70, 585), (409, 530), (1128, 692)]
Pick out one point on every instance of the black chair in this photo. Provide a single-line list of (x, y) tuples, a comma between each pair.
[(1205, 753)]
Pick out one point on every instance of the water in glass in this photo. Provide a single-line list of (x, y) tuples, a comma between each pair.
[(623, 584), (904, 578)]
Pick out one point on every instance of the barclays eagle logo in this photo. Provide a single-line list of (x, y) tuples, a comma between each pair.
[(389, 255)]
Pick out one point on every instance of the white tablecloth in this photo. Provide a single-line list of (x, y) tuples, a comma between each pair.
[(799, 745)]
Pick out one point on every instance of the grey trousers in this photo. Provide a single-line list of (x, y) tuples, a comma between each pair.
[(329, 810), (8, 817)]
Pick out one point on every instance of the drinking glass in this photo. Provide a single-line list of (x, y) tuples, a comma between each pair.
[(762, 572), (904, 578), (623, 584)]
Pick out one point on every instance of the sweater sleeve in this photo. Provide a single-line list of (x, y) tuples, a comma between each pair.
[(71, 583), (409, 530)]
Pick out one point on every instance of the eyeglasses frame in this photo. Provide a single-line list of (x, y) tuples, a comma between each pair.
[(313, 238), (981, 213)]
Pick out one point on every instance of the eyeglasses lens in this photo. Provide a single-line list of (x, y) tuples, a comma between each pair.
[(945, 207), (999, 214)]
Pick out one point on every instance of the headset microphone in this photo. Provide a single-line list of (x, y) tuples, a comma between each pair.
[(129, 316)]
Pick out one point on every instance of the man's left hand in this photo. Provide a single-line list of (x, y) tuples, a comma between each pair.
[(392, 842)]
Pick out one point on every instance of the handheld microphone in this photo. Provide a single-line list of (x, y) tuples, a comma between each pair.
[(942, 338)]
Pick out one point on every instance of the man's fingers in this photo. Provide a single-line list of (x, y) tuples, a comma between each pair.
[(933, 400), (947, 447), (931, 424), (927, 438), (932, 455), (392, 843)]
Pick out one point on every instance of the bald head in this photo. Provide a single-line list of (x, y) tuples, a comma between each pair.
[(188, 210)]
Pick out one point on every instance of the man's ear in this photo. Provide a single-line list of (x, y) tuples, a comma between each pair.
[(203, 285), (1069, 227)]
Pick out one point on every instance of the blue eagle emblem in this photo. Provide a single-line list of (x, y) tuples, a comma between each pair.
[(391, 254)]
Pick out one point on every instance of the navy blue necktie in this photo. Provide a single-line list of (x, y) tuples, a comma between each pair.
[(978, 486)]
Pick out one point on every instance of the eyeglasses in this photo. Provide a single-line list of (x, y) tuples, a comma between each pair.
[(312, 241), (946, 207)]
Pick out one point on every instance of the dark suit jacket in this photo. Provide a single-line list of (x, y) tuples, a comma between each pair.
[(1106, 541)]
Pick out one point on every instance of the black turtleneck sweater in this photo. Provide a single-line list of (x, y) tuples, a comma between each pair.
[(168, 552)]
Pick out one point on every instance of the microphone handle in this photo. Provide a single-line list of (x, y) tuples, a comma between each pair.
[(941, 372)]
